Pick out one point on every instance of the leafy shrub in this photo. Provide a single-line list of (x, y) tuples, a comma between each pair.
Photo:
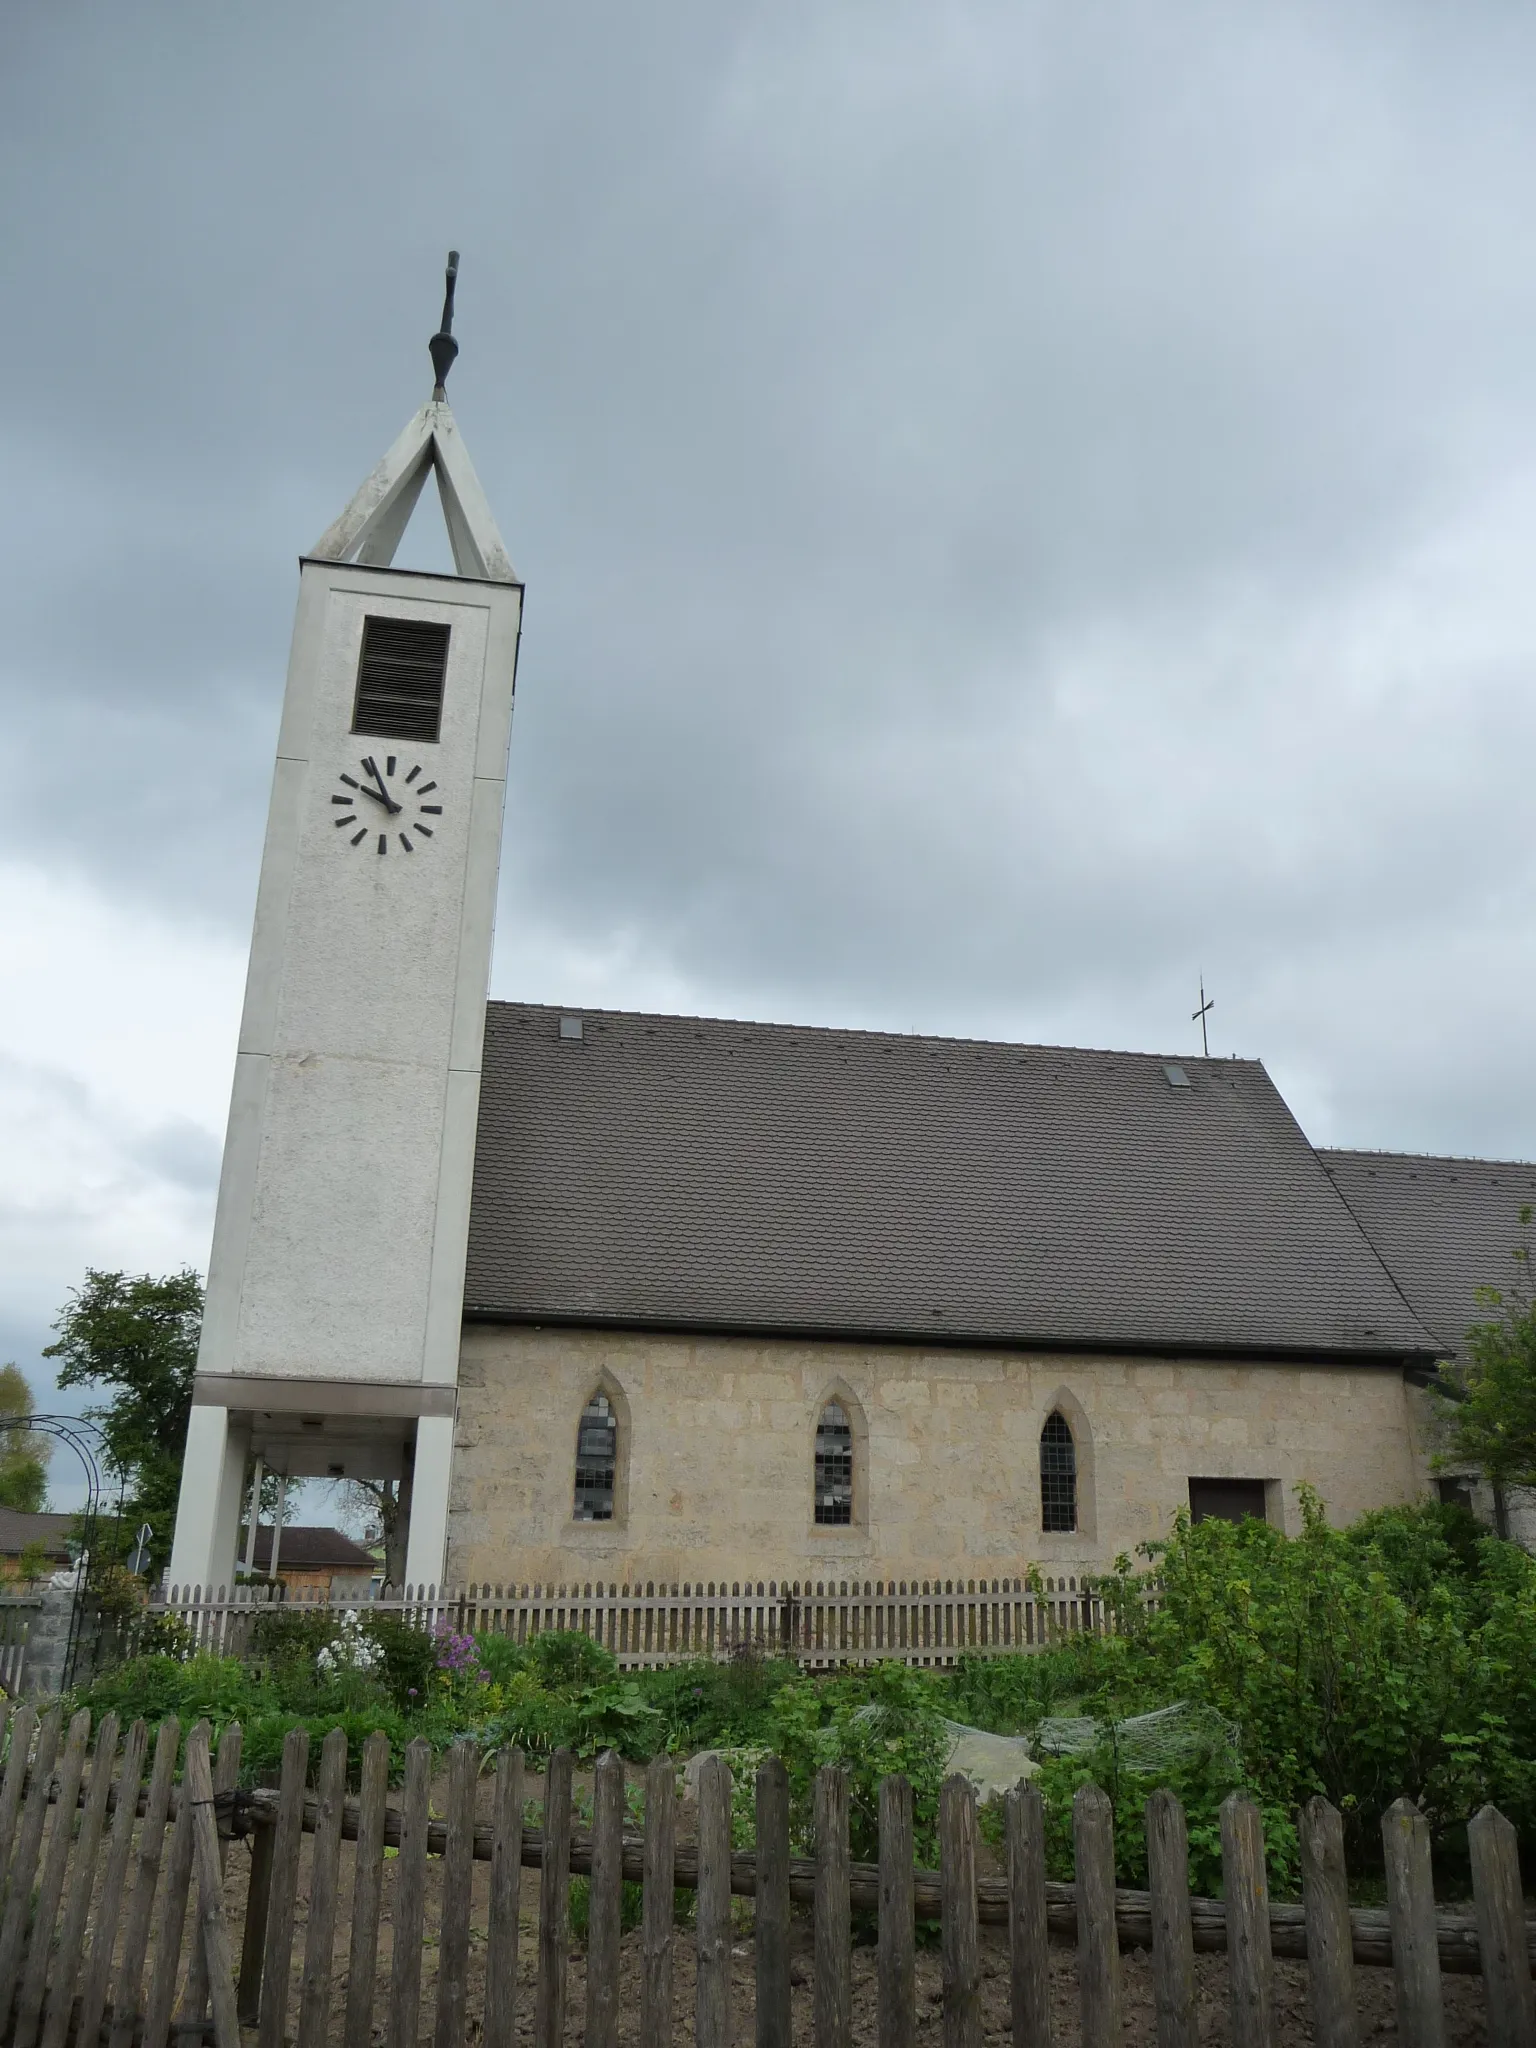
[(705, 1705), (264, 1733), (881, 1719), (220, 1688)]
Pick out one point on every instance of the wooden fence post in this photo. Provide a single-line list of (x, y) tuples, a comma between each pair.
[(66, 1970), (605, 1900), (1029, 1960), (367, 1893), (656, 1933), (833, 1989), (771, 1905), (1173, 1941), (1330, 1939), (554, 1904), (50, 1890), (407, 1920), (959, 1936), (1415, 1937), (1245, 1882), (23, 1725), (458, 1876), (226, 1776), (253, 1939), (93, 1997), (29, 1840), (1098, 1939), (1501, 1937), (126, 2006), (212, 1938), (277, 1954), (712, 2010), (506, 1884), (173, 1919), (896, 1993), (324, 1880)]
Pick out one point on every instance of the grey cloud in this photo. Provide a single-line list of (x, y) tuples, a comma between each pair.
[(980, 474)]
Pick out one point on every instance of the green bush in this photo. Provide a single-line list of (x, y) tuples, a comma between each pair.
[(705, 1705), (877, 1720)]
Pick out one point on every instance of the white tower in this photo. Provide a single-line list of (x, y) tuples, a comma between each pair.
[(330, 1340)]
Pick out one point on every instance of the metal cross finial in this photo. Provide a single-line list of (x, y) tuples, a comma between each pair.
[(442, 347), (1205, 1009)]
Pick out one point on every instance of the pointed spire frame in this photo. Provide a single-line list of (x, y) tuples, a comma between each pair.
[(370, 529)]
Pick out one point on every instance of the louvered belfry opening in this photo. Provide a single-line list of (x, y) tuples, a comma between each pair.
[(597, 1457), (400, 676), (834, 1465), (1058, 1475)]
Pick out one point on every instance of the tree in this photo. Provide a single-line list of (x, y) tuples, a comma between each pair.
[(1489, 1401), (377, 1503), (137, 1336), (24, 1453)]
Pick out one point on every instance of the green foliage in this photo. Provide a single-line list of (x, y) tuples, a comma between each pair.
[(1489, 1402), (706, 1705), (137, 1336), (24, 1453), (631, 1905), (880, 1719)]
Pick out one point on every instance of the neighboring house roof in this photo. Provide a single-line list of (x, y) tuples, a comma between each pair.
[(309, 1549), (691, 1173), (17, 1530), (1446, 1227)]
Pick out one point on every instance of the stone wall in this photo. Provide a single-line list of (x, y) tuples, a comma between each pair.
[(716, 1439)]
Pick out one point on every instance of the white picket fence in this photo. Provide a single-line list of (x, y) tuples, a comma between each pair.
[(820, 1623)]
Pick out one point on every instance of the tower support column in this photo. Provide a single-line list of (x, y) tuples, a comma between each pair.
[(208, 1512), (427, 1541)]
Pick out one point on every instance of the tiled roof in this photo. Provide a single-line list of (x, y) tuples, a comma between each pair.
[(310, 1549), (17, 1530), (685, 1172), (1445, 1226)]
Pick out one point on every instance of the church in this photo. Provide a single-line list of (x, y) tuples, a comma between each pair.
[(632, 1298)]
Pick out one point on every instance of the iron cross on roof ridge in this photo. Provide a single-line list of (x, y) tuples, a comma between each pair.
[(1207, 1004)]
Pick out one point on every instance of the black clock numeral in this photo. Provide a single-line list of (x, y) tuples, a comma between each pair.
[(383, 842), (433, 810), (345, 821), (414, 773), (350, 784), (424, 830), (389, 764), (341, 800), (426, 789), (358, 837), (406, 844)]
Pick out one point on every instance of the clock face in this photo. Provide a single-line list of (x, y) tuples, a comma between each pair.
[(386, 804)]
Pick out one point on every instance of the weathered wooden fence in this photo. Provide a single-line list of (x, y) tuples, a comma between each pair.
[(94, 1945), (928, 1621)]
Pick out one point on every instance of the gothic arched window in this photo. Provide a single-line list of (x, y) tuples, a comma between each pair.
[(1058, 1475), (597, 1457), (834, 1465)]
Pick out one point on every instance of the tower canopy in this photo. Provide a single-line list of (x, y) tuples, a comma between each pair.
[(370, 529)]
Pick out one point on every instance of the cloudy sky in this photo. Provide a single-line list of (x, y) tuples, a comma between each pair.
[(1020, 503)]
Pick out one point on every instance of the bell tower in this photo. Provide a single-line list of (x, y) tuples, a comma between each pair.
[(330, 1339)]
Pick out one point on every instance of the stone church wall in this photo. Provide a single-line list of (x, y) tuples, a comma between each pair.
[(716, 1445)]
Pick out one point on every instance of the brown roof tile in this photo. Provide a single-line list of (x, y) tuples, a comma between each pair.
[(687, 1172), (1446, 1227)]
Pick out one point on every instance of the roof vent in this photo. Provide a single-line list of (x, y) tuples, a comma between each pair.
[(1177, 1078), (570, 1027)]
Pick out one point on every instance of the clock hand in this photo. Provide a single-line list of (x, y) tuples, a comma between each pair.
[(382, 795), (378, 797)]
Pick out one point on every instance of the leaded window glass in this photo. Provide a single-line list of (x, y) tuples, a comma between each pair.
[(597, 1457), (1058, 1475), (834, 1466)]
